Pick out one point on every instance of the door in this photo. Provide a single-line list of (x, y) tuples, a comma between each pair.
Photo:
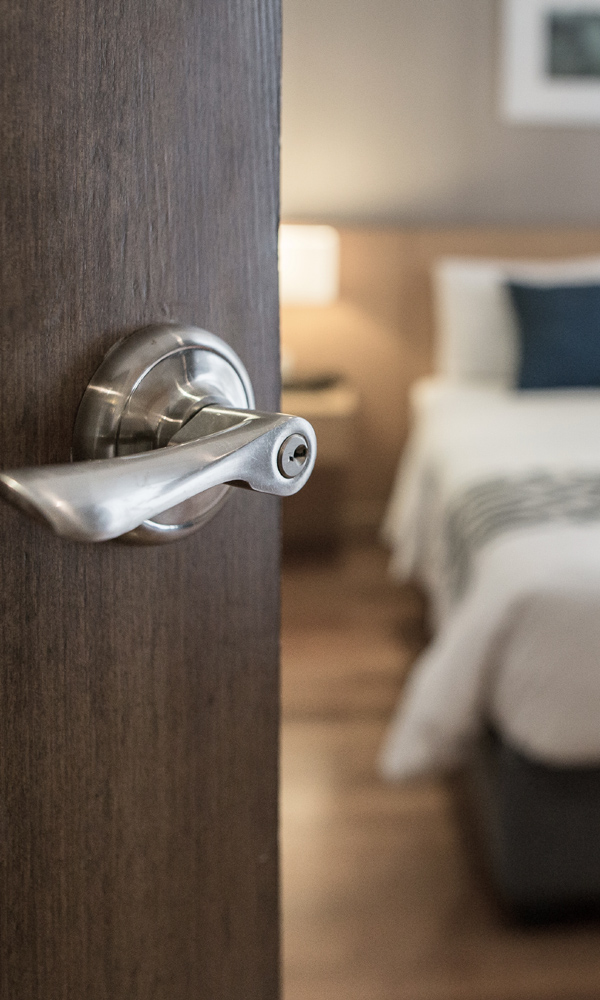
[(138, 685)]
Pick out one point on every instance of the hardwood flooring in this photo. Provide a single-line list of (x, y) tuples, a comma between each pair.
[(381, 900)]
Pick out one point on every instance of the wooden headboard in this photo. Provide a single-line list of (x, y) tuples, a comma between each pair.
[(380, 333)]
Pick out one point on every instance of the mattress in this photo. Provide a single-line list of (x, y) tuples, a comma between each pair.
[(496, 510)]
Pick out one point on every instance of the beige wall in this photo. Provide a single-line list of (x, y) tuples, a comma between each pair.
[(390, 118), (390, 115), (379, 335)]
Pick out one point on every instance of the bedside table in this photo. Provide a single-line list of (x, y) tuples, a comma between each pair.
[(314, 518)]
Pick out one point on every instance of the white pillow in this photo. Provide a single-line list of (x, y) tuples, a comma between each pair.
[(476, 332)]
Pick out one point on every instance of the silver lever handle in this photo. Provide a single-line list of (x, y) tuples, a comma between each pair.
[(103, 499), (145, 389)]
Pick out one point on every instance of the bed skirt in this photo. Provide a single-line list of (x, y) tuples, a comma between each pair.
[(539, 827)]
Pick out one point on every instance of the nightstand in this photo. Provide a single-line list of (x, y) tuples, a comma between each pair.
[(314, 518)]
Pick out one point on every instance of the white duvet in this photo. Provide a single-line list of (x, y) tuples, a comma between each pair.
[(518, 636)]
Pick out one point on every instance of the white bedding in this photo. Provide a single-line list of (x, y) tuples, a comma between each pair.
[(518, 631)]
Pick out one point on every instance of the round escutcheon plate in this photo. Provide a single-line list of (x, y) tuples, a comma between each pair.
[(148, 386)]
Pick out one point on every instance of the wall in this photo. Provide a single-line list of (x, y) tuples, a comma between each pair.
[(390, 115)]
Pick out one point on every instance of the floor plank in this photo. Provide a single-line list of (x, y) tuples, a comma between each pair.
[(380, 898)]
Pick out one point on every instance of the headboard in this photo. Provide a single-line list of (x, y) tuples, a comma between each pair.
[(380, 333)]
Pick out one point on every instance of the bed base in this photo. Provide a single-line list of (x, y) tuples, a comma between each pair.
[(540, 830)]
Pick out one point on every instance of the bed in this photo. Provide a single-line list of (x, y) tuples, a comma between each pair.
[(496, 512)]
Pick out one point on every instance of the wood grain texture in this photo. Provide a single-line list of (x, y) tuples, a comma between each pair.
[(138, 687)]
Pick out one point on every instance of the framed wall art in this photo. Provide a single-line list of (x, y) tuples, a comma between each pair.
[(551, 61)]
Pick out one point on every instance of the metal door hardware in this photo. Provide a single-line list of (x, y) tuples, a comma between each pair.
[(165, 428)]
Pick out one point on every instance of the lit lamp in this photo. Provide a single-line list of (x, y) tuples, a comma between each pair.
[(309, 265)]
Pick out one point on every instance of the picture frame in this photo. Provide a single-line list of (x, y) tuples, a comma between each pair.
[(550, 62)]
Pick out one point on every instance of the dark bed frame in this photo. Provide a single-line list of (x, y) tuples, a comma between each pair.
[(539, 829)]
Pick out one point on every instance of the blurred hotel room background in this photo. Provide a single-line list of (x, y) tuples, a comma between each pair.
[(436, 202)]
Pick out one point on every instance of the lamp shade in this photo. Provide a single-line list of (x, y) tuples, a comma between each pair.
[(309, 264)]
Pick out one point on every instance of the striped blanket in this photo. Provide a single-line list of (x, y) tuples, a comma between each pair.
[(501, 504)]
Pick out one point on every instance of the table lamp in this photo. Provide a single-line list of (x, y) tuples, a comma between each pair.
[(309, 265)]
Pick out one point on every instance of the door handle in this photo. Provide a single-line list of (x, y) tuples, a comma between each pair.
[(165, 428)]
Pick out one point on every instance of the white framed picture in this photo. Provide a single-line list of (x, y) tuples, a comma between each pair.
[(551, 61)]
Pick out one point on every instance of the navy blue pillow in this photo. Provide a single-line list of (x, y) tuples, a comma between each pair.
[(559, 331)]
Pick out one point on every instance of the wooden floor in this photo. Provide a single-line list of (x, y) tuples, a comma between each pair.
[(380, 899)]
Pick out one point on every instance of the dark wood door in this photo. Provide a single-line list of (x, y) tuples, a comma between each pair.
[(138, 686)]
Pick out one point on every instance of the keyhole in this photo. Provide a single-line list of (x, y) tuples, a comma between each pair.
[(300, 454), (293, 455)]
